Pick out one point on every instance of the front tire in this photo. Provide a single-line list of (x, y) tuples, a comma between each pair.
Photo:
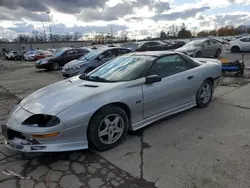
[(204, 94), (108, 128), (198, 54), (217, 54), (235, 49), (55, 66)]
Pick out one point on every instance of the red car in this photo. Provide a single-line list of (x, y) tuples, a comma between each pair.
[(42, 54)]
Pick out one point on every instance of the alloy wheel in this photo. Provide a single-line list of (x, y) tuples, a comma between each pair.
[(111, 129), (206, 93)]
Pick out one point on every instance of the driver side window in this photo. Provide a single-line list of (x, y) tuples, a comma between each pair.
[(168, 65), (108, 54), (70, 52), (206, 43)]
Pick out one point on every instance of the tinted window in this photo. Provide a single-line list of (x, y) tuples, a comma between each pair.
[(191, 64), (148, 44), (213, 42), (122, 52), (109, 54), (155, 44), (70, 52), (81, 51), (245, 40), (168, 65), (206, 43)]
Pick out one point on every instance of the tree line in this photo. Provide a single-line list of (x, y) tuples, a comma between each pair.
[(222, 31), (42, 37), (225, 31)]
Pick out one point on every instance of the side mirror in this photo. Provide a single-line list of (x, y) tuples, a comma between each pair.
[(152, 79)]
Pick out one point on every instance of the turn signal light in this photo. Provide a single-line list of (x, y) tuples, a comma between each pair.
[(45, 135)]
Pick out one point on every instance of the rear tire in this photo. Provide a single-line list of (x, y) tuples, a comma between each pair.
[(198, 54), (235, 49), (217, 53), (108, 127), (55, 66), (204, 94)]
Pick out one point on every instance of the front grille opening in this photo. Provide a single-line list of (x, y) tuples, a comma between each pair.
[(14, 134)]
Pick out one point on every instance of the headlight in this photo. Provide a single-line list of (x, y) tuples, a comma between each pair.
[(38, 62), (77, 67), (190, 51), (42, 120), (43, 62)]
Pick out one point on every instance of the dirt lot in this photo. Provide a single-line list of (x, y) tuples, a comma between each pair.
[(198, 148)]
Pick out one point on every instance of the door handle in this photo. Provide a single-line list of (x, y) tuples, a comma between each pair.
[(190, 77)]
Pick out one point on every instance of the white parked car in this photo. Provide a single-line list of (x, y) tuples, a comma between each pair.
[(238, 45)]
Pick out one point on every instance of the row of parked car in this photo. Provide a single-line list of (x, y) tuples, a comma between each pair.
[(76, 61), (31, 55)]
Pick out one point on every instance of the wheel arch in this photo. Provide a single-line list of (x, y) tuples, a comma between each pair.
[(211, 80), (235, 45), (121, 105)]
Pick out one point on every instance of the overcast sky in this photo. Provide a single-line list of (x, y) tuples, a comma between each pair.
[(138, 17)]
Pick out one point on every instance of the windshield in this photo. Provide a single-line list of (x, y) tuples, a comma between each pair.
[(124, 68), (92, 55), (59, 53), (195, 43)]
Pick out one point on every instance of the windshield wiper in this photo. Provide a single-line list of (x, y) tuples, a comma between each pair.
[(93, 78), (85, 57)]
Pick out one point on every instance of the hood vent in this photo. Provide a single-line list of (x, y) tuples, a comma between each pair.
[(87, 85)]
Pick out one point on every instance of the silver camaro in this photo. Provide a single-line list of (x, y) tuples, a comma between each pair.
[(98, 109)]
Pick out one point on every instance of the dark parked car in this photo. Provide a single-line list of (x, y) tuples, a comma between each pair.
[(151, 46), (176, 44), (92, 60), (62, 57), (158, 46)]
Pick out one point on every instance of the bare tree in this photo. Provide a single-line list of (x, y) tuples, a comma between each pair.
[(76, 36), (22, 38)]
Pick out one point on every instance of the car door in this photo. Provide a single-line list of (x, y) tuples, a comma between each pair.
[(215, 45), (145, 47), (155, 46), (207, 49), (67, 56), (245, 44), (172, 91)]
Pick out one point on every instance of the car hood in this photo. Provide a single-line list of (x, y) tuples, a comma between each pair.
[(55, 98), (76, 62), (186, 48)]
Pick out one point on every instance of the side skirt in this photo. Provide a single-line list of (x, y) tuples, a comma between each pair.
[(154, 118)]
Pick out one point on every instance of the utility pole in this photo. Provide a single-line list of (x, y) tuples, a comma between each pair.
[(111, 33), (49, 26), (44, 32)]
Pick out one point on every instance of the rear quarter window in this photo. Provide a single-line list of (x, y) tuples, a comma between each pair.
[(191, 64)]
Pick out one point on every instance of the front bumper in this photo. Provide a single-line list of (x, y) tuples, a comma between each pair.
[(42, 66), (69, 73), (25, 138), (67, 140)]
